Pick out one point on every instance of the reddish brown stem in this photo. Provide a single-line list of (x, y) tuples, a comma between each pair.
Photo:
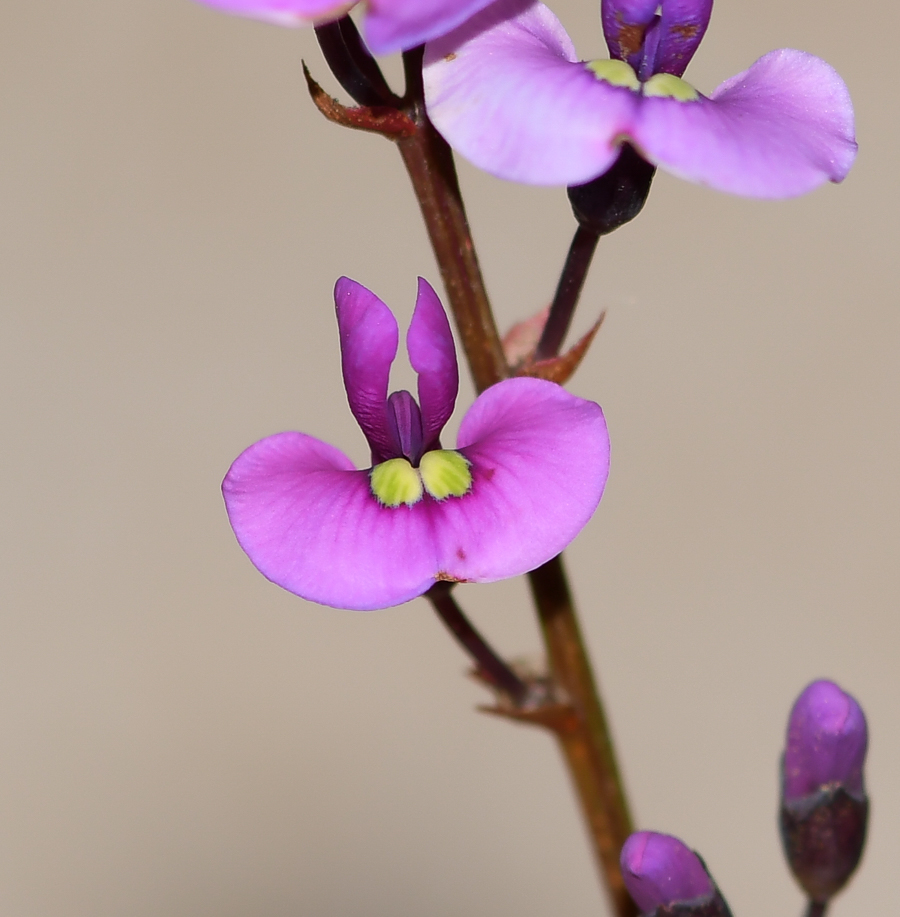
[(587, 746), (579, 721)]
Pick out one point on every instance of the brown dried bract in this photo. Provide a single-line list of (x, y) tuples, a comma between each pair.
[(389, 122)]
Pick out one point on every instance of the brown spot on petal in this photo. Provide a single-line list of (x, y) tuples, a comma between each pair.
[(686, 31), (449, 57), (630, 37), (443, 577)]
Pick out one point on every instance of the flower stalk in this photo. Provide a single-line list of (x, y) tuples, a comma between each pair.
[(587, 745), (489, 666), (429, 163), (580, 723)]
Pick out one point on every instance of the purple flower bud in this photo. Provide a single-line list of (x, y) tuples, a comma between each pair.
[(660, 871), (826, 742)]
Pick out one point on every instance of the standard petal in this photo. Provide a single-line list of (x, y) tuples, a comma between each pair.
[(779, 129), (432, 355), (369, 338), (396, 25), (681, 27), (539, 461), (285, 12), (507, 91), (625, 23), (308, 521)]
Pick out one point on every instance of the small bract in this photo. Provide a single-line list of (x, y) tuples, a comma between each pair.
[(528, 470)]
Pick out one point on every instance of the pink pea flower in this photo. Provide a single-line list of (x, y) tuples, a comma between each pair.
[(528, 470), (509, 93), (389, 25)]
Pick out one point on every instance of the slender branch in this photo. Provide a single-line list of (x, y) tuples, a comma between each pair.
[(568, 290), (589, 750), (816, 909), (429, 162), (586, 744), (490, 666), (588, 747)]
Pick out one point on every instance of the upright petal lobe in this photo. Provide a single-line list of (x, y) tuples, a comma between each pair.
[(285, 12), (308, 521), (395, 25), (539, 461), (682, 26), (369, 338), (432, 355), (779, 129), (508, 92)]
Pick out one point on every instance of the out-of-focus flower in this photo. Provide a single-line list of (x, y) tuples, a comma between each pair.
[(508, 92), (824, 809), (826, 742), (389, 25), (662, 874), (529, 467)]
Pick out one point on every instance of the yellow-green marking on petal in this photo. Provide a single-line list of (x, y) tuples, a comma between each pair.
[(396, 482), (615, 72), (445, 474), (667, 86)]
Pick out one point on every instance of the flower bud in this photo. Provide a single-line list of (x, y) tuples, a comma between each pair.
[(664, 877), (616, 197), (824, 807)]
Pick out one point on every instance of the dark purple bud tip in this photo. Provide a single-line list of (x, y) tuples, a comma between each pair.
[(826, 743), (616, 197), (660, 872)]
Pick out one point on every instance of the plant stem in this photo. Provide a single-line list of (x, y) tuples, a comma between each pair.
[(589, 750), (587, 746), (568, 290), (816, 909), (429, 162), (490, 666)]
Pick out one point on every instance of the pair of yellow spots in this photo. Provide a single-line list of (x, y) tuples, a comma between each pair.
[(442, 473), (660, 85)]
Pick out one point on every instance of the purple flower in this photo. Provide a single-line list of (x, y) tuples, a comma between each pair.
[(508, 92), (390, 25), (659, 871), (826, 742), (527, 473)]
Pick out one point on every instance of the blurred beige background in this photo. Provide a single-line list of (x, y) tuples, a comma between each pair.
[(177, 736)]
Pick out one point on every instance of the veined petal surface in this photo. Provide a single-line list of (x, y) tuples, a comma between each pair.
[(309, 522), (396, 25), (432, 354), (285, 12), (508, 92), (539, 461), (369, 338), (779, 129)]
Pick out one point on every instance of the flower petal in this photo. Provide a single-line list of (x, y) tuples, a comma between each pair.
[(682, 26), (432, 355), (396, 25), (507, 91), (539, 461), (369, 338), (285, 12), (779, 129), (309, 522)]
